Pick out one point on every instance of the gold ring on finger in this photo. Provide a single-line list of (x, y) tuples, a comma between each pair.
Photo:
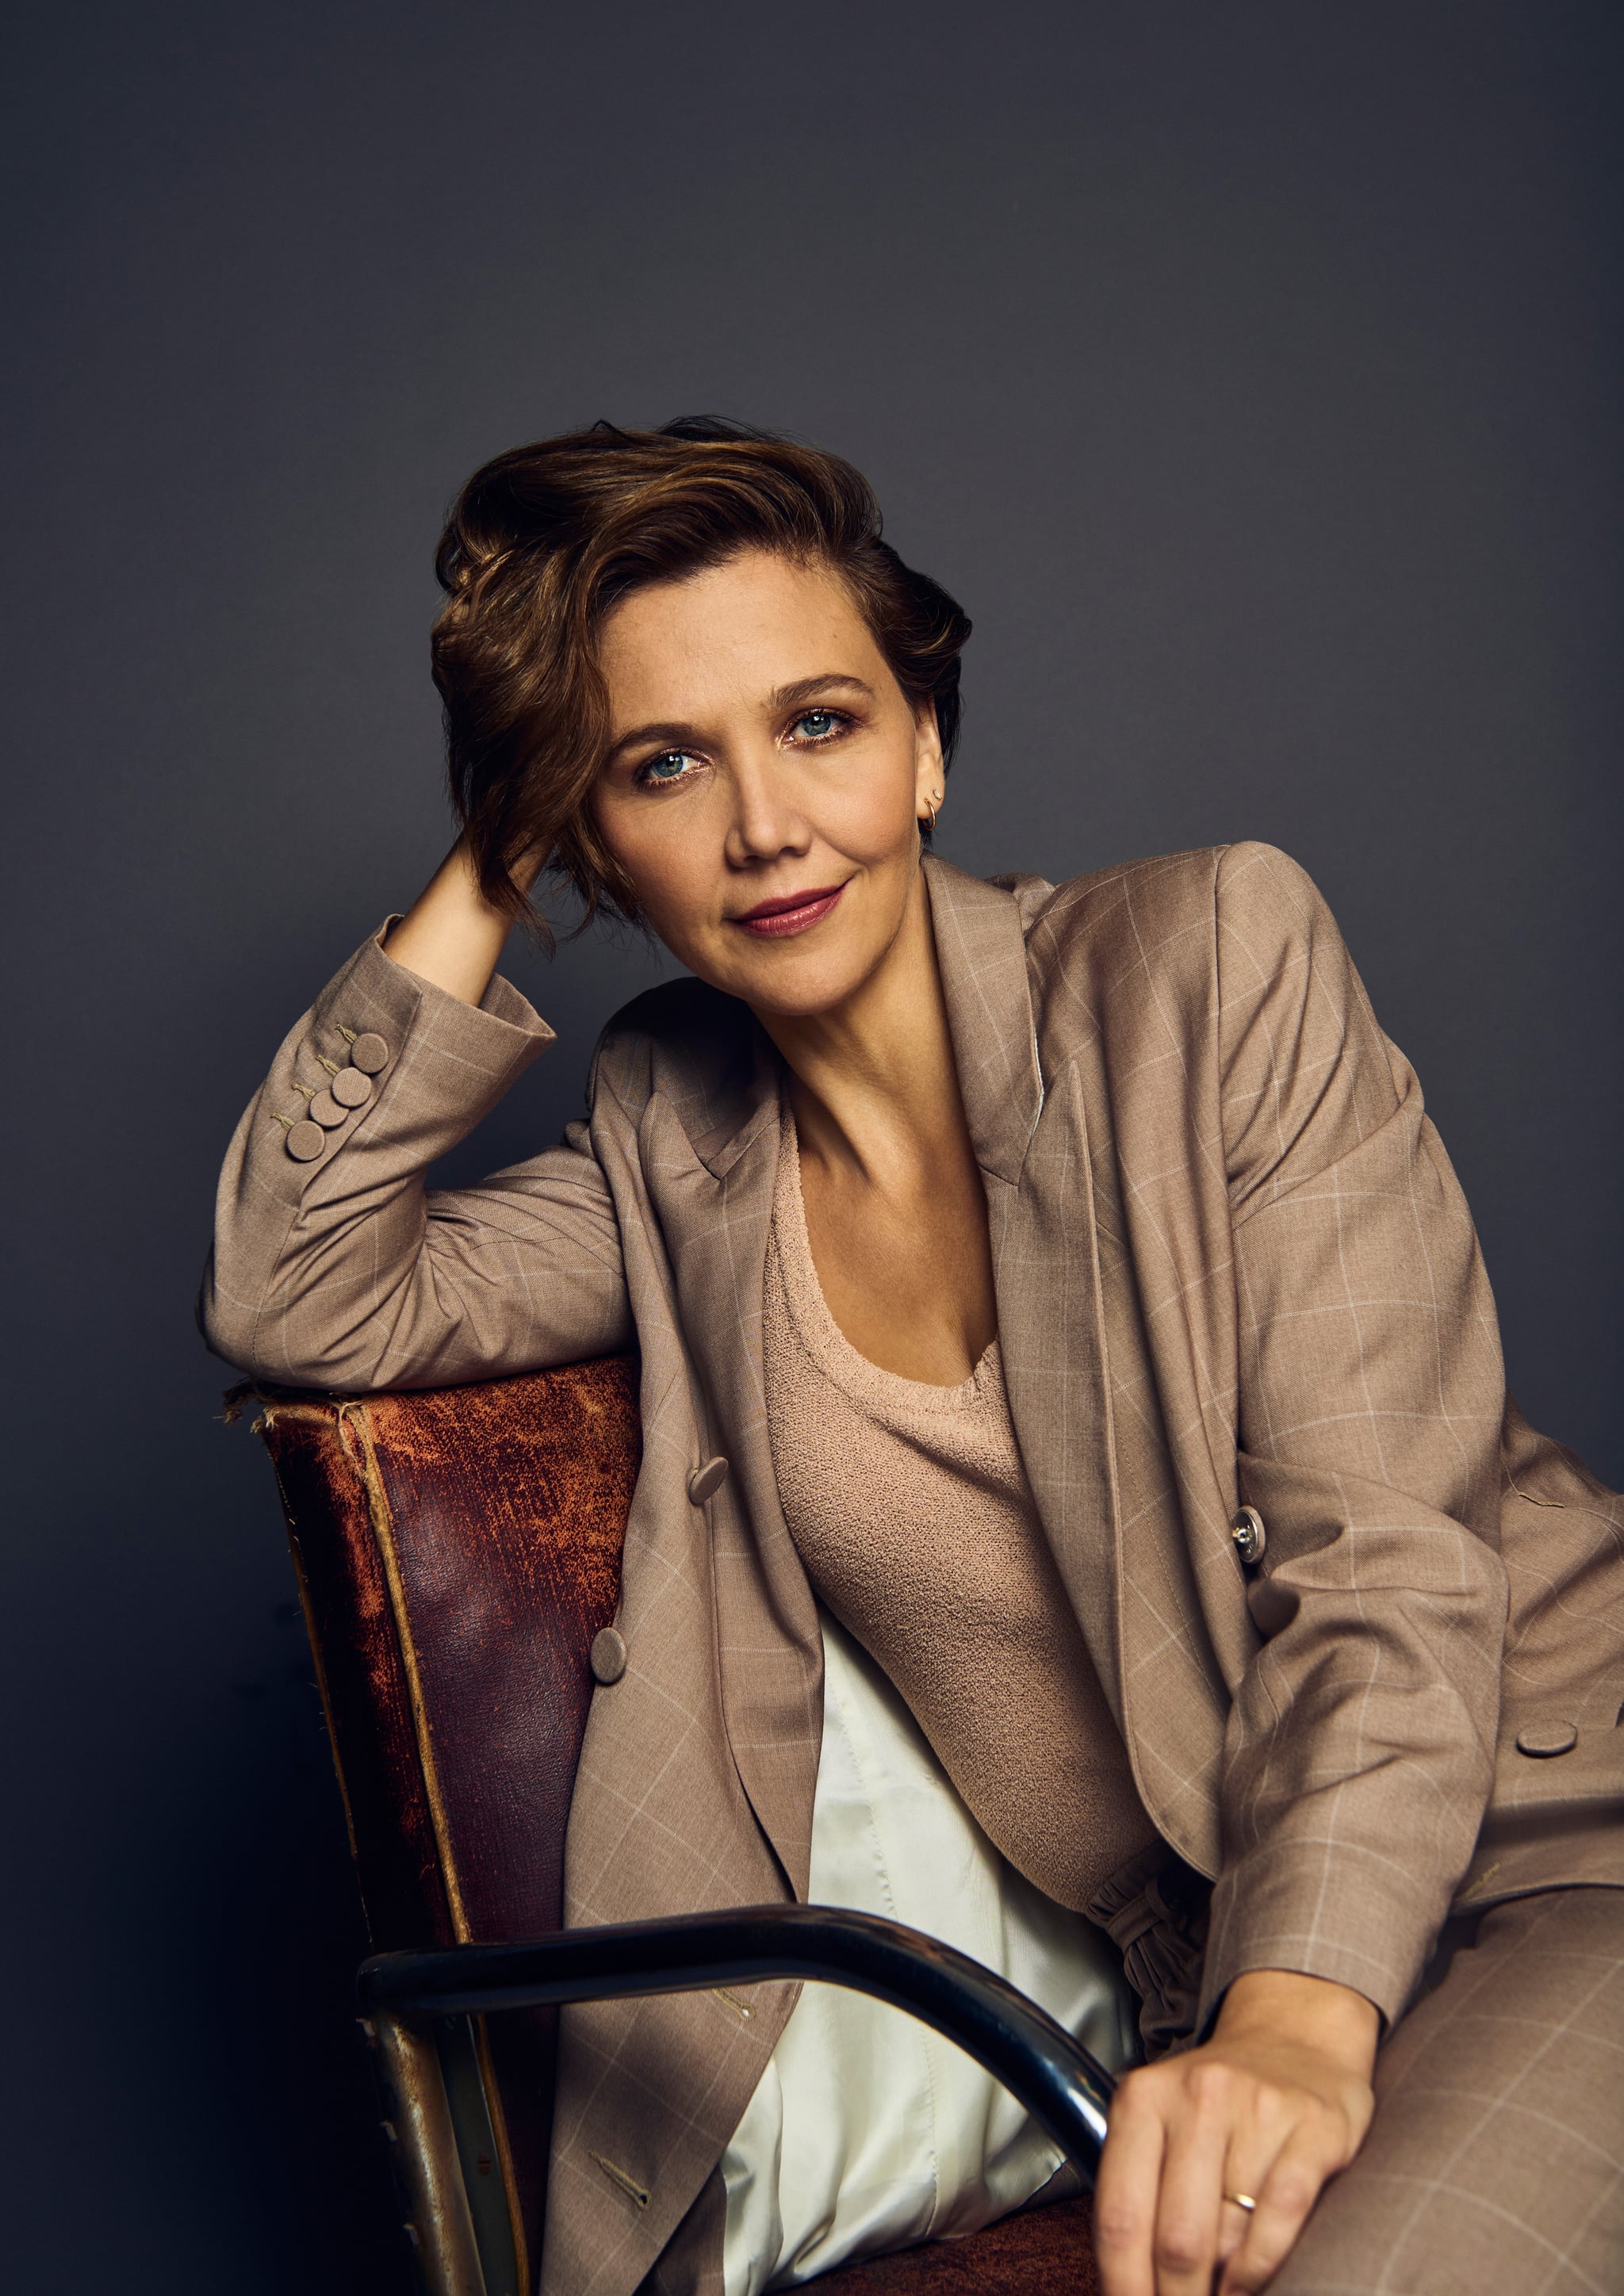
[(1241, 2201)]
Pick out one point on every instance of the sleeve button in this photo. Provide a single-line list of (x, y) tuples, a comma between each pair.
[(705, 1481), (1540, 1740), (607, 1657), (306, 1140), (1248, 1534), (351, 1089), (325, 1111), (370, 1053)]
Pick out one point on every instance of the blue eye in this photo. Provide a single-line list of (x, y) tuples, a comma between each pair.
[(669, 766), (816, 724)]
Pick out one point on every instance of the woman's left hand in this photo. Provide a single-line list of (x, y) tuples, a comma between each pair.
[(1276, 2102)]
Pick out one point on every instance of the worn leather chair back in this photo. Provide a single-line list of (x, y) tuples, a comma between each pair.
[(457, 1552)]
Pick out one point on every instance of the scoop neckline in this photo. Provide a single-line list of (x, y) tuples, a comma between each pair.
[(829, 1346)]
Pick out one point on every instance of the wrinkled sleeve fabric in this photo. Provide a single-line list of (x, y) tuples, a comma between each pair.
[(345, 1272), (1360, 1752)]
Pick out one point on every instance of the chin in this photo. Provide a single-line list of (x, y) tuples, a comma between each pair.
[(799, 986)]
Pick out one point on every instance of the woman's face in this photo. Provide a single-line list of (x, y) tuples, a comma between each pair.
[(765, 780)]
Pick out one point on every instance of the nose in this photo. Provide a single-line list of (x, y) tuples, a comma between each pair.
[(767, 821)]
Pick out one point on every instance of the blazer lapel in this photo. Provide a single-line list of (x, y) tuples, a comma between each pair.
[(1032, 1148), (711, 1171), (1170, 1696), (981, 951), (1083, 1390)]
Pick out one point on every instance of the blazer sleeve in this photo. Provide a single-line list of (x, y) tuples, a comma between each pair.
[(342, 1271), (1360, 1744)]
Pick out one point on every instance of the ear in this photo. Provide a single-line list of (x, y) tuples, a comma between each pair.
[(929, 778)]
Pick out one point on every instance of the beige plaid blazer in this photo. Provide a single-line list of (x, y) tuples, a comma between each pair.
[(1232, 1264)]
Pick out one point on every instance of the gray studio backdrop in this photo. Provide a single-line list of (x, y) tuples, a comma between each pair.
[(1250, 373)]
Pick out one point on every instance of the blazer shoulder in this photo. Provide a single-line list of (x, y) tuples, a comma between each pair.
[(1181, 942), (1171, 904), (1137, 916)]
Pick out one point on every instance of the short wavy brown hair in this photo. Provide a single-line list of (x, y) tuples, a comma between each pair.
[(544, 540)]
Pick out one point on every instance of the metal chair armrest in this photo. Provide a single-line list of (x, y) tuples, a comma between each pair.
[(1064, 2088)]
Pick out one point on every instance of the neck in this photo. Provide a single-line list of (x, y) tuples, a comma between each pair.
[(873, 1081)]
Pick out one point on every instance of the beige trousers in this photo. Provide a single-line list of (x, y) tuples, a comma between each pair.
[(1494, 2165)]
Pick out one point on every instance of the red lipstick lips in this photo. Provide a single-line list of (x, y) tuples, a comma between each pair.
[(791, 913)]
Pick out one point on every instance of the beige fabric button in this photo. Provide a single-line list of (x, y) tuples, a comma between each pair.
[(326, 1110), (607, 1658), (306, 1140), (705, 1481), (351, 1089), (1248, 1534), (370, 1053), (1541, 1740)]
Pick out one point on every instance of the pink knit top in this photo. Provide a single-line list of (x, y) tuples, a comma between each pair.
[(909, 1506)]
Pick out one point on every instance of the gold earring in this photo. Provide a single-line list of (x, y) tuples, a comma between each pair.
[(934, 802)]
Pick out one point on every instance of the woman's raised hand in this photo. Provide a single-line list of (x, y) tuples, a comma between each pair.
[(1275, 2104), (451, 934)]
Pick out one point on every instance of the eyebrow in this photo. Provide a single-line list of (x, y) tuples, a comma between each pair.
[(804, 688), (783, 697)]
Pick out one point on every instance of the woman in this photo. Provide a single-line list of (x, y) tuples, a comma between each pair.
[(1068, 1373)]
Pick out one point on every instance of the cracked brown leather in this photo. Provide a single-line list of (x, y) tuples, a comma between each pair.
[(458, 1550)]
